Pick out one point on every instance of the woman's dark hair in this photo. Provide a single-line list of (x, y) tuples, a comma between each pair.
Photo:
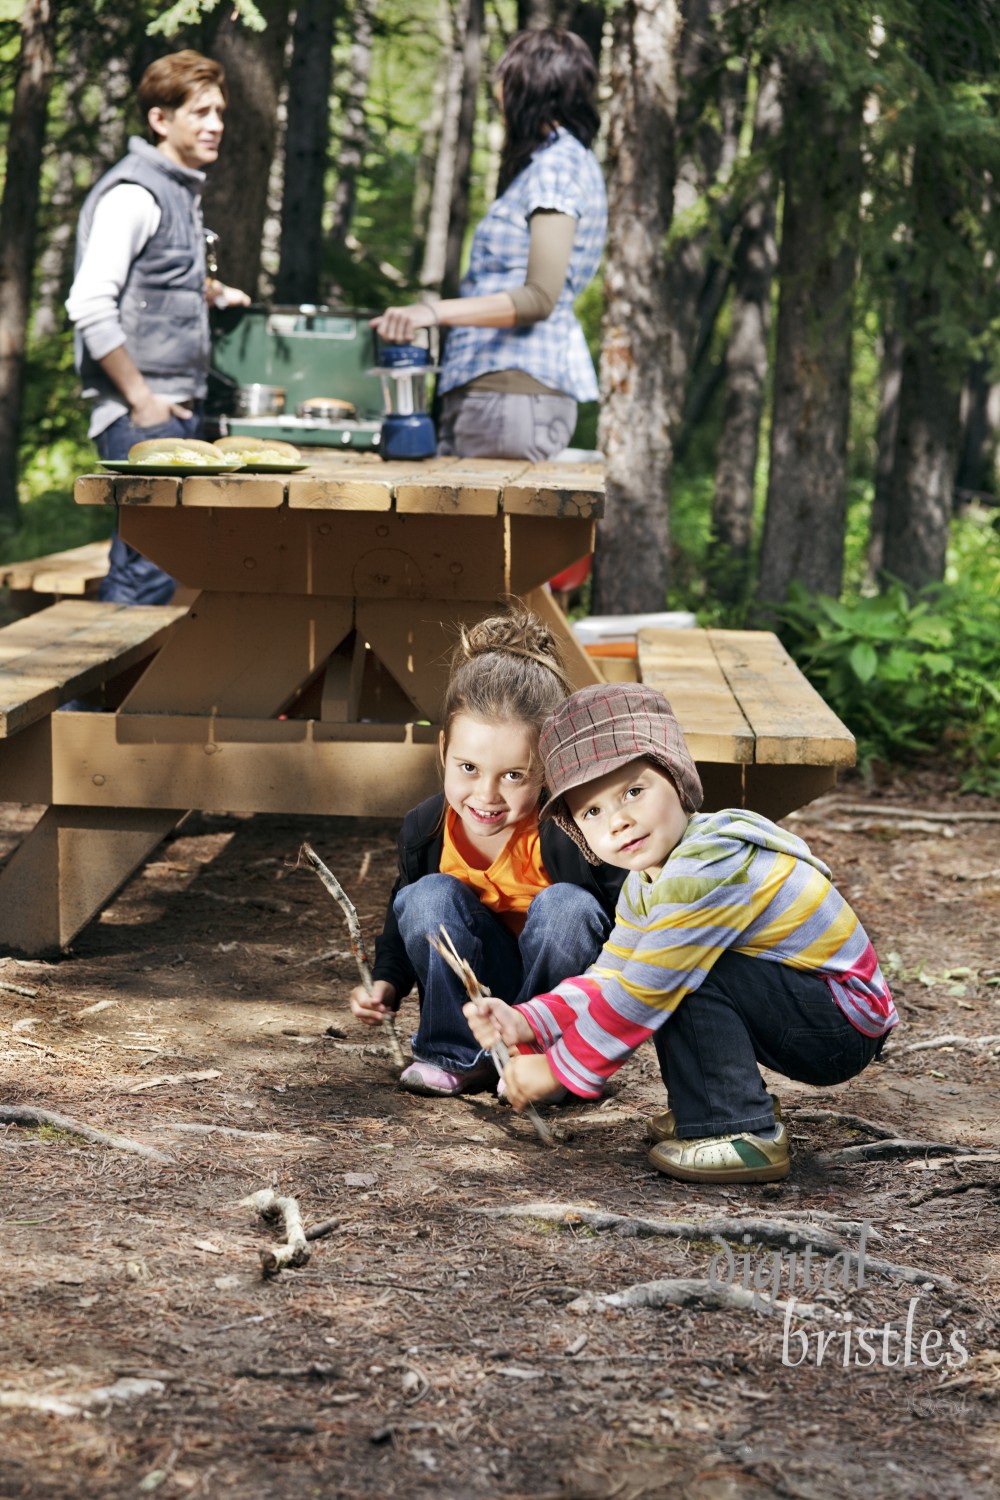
[(548, 78)]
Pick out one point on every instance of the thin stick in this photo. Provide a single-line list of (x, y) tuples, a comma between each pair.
[(346, 905), (477, 992)]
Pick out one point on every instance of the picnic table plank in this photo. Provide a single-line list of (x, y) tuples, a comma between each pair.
[(558, 489), (260, 491), (70, 572), (54, 655), (356, 487), (684, 667), (791, 723), (458, 487)]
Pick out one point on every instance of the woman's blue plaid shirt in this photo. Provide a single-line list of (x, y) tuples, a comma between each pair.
[(563, 177)]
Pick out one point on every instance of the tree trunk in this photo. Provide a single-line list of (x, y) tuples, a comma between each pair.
[(307, 140), (18, 225), (458, 218), (921, 497), (584, 17), (354, 131), (237, 190), (710, 110), (885, 445), (921, 487), (430, 142), (637, 419), (977, 447), (436, 247), (746, 357), (807, 482)]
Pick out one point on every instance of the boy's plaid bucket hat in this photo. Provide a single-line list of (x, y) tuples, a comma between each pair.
[(606, 726)]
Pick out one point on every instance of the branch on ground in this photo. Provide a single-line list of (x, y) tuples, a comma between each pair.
[(295, 1251), (774, 1232), (28, 1114)]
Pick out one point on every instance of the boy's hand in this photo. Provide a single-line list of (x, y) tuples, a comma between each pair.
[(528, 1079), (373, 1008), (492, 1020)]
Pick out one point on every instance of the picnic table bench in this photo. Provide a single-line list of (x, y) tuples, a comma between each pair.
[(76, 571), (307, 675)]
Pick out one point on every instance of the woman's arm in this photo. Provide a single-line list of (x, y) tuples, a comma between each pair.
[(549, 248)]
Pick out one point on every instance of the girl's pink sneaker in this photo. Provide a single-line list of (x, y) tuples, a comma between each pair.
[(427, 1078)]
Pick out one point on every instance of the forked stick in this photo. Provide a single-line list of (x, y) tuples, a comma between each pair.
[(346, 905), (476, 992)]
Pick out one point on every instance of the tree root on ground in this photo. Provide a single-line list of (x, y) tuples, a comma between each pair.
[(889, 1149), (953, 1041), (28, 1114), (834, 1116), (691, 1291), (775, 1232)]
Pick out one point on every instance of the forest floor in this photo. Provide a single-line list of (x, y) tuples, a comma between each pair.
[(432, 1346)]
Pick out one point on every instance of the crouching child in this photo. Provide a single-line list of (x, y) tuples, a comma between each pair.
[(731, 947)]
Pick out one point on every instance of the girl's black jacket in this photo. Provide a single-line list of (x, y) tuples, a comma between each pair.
[(420, 844)]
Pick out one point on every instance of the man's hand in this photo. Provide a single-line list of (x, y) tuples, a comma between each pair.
[(373, 1008), (528, 1079), (152, 410), (492, 1020), (217, 294)]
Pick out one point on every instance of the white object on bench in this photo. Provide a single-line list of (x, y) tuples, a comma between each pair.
[(605, 630)]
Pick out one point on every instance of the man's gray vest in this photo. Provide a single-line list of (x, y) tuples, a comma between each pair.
[(163, 310)]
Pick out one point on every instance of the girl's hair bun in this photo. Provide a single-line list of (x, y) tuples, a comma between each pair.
[(506, 668)]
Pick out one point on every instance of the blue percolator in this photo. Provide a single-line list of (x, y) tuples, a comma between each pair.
[(407, 428)]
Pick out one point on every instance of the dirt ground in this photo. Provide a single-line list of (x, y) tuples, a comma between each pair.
[(432, 1346)]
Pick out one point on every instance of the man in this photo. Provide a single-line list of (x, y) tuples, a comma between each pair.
[(140, 297)]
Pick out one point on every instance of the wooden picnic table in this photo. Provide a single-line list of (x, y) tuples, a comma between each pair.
[(307, 674)]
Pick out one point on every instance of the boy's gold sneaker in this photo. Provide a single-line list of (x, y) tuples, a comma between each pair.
[(663, 1127), (724, 1158)]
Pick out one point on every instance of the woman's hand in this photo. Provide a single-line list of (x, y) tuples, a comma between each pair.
[(373, 1008), (492, 1020), (528, 1079), (397, 325)]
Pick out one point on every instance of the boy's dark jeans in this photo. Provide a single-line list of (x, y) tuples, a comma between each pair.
[(750, 1011)]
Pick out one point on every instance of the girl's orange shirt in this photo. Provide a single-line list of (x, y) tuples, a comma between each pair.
[(512, 881)]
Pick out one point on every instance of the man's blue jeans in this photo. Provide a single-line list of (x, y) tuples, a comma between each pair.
[(132, 578), (563, 933), (749, 1011)]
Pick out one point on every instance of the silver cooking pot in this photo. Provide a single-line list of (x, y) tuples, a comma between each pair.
[(258, 401)]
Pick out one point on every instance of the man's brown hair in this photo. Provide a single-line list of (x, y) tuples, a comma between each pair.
[(170, 81)]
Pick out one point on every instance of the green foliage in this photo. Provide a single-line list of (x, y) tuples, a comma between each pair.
[(190, 12), (914, 679)]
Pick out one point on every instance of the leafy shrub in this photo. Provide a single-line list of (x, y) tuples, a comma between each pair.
[(911, 678)]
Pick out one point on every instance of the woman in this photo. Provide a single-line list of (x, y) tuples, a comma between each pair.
[(516, 362)]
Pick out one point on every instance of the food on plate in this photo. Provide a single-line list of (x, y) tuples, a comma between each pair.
[(191, 452), (253, 450)]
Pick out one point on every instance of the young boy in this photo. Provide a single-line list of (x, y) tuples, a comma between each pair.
[(730, 947)]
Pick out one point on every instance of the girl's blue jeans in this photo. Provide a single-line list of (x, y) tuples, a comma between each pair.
[(563, 933)]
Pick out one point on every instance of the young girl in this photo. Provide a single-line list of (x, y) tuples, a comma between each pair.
[(521, 904)]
